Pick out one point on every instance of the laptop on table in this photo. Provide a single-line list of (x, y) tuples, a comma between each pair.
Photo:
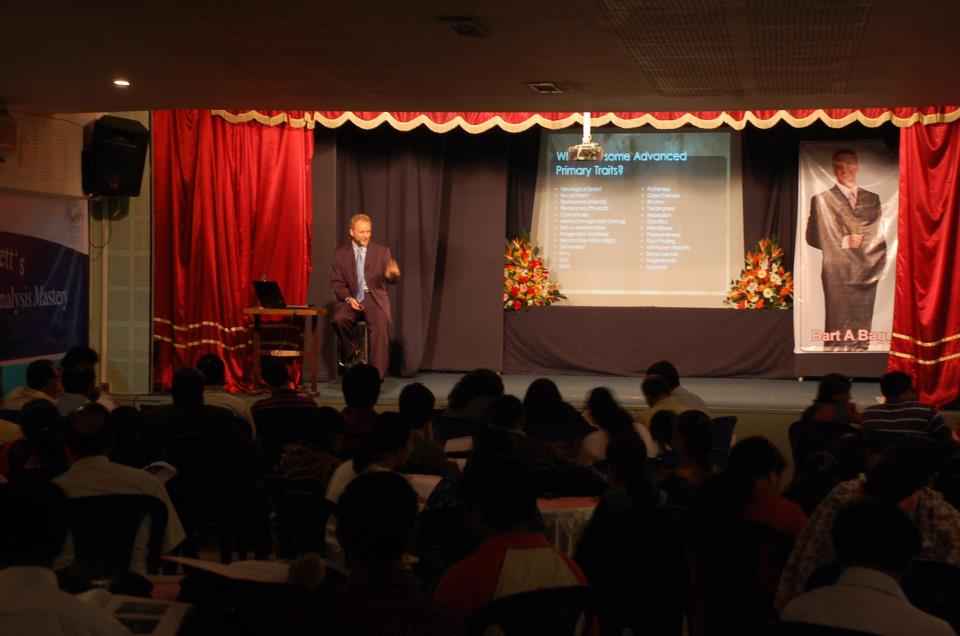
[(270, 296)]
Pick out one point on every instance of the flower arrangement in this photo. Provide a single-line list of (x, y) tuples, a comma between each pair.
[(526, 282), (763, 282)]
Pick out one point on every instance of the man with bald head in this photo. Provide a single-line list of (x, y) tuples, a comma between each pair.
[(846, 224), (361, 271)]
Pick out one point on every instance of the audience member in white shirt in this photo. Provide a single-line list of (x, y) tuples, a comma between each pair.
[(215, 375), (78, 385), (875, 542), (35, 520), (43, 383), (678, 394), (89, 436)]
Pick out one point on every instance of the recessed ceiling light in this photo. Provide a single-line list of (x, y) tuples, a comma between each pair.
[(122, 83)]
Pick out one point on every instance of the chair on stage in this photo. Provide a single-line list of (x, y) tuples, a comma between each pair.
[(104, 529), (552, 611), (361, 330)]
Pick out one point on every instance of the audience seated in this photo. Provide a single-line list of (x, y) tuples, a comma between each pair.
[(692, 440), (426, 457), (661, 431), (874, 543), (900, 477), (361, 389), (83, 357), (375, 524), (215, 375), (129, 447), (43, 383), (78, 384), (506, 414), (752, 479), (611, 422), (315, 457), (89, 437), (387, 447), (188, 418), (501, 501), (35, 521), (832, 403), (901, 413), (547, 417), (678, 394), (812, 481), (40, 455), (471, 397)]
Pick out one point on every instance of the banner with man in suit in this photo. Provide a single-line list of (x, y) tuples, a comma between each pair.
[(845, 259)]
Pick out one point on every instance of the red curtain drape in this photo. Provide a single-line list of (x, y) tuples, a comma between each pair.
[(926, 323), (232, 204)]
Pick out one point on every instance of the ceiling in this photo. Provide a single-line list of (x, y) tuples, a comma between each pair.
[(621, 55)]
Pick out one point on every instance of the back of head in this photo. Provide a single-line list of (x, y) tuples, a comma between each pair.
[(661, 427), (601, 401), (876, 535), (904, 468), (213, 370), (654, 387), (616, 423), (361, 386), (756, 457), (501, 490), (187, 387), (831, 387), (375, 518), (477, 383), (542, 393), (80, 358), (80, 380), (89, 431), (506, 412), (390, 434), (38, 416), (275, 373), (850, 453), (40, 374), (416, 404), (326, 424), (626, 463), (693, 437), (35, 521), (667, 371), (895, 384)]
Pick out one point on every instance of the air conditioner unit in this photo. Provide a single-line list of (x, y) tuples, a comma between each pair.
[(8, 135)]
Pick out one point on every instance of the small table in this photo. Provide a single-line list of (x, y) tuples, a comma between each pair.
[(313, 312)]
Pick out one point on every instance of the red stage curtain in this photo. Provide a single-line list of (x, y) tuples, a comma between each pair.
[(926, 323), (232, 204), (478, 122)]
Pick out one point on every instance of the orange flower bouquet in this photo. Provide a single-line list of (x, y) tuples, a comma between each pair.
[(526, 281), (763, 282)]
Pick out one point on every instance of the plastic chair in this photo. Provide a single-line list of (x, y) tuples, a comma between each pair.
[(302, 512), (934, 587), (723, 428), (104, 529), (792, 628), (809, 437), (558, 611)]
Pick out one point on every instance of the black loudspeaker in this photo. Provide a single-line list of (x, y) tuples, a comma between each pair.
[(115, 150)]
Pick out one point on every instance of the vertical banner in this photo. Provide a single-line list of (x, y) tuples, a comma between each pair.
[(845, 262), (44, 276)]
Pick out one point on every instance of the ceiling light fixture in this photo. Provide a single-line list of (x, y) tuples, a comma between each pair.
[(121, 83), (587, 149)]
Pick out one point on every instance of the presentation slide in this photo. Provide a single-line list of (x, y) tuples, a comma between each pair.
[(658, 222)]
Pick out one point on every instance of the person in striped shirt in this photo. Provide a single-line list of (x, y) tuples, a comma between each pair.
[(901, 413)]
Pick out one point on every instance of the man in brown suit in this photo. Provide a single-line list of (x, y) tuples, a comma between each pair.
[(846, 224), (361, 270)]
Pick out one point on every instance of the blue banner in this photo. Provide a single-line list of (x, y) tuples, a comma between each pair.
[(44, 276)]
